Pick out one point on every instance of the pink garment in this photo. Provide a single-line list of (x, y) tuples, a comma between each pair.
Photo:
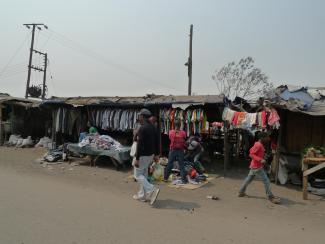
[(264, 119), (274, 117), (235, 120)]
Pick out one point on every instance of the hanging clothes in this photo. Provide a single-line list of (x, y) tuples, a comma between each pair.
[(274, 119)]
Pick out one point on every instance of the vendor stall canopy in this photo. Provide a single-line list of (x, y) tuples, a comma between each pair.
[(6, 99), (308, 100), (176, 101)]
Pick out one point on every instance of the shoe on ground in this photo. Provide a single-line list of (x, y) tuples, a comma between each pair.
[(154, 196), (242, 194), (275, 200), (141, 199)]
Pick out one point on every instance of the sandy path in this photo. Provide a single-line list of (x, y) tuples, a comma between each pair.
[(93, 205)]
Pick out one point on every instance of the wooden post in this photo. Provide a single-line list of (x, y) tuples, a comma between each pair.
[(226, 148), (190, 63), (53, 129), (237, 143), (277, 155), (304, 181)]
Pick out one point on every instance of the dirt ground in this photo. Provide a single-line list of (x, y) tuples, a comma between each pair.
[(81, 204)]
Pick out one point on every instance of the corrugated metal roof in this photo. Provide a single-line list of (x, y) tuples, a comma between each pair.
[(307, 100), (7, 99), (141, 101)]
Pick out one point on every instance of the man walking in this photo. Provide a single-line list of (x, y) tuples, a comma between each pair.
[(257, 153), (147, 151)]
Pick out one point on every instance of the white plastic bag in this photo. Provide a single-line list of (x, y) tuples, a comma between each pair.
[(28, 142), (133, 149), (44, 142), (19, 142), (13, 139)]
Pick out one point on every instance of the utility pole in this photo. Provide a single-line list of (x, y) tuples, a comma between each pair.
[(189, 63), (44, 77), (30, 67)]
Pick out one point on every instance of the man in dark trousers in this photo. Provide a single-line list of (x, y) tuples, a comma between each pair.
[(147, 151), (177, 146)]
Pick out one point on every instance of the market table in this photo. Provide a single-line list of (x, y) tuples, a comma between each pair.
[(320, 164), (119, 156)]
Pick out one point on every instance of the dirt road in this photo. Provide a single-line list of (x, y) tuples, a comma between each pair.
[(66, 204)]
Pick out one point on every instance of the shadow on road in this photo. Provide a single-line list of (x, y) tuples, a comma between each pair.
[(177, 205)]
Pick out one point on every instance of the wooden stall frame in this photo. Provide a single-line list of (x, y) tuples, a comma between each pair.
[(320, 164)]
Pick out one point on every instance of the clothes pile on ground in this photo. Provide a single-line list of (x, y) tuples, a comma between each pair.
[(268, 118), (113, 119), (193, 121), (100, 142), (54, 155), (45, 142), (317, 187), (19, 142)]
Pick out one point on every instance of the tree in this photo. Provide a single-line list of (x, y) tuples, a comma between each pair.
[(242, 79)]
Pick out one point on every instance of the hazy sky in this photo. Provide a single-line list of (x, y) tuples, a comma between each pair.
[(135, 47)]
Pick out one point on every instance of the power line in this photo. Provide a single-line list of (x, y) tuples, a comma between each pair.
[(61, 39), (12, 68), (48, 39), (14, 55), (12, 74), (51, 77)]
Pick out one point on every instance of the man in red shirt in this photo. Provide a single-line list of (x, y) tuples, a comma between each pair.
[(257, 153), (177, 139)]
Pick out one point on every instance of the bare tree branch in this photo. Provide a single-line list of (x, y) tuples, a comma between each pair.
[(242, 79)]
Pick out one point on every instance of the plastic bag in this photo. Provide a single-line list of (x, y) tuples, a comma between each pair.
[(19, 142), (158, 172), (28, 142), (133, 149), (13, 139)]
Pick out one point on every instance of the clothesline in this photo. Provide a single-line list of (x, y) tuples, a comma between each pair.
[(268, 118)]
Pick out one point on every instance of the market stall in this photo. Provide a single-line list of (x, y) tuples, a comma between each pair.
[(116, 116), (241, 129)]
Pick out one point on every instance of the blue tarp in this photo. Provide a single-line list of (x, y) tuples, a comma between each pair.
[(300, 95)]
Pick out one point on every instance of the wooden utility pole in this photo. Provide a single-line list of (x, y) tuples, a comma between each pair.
[(30, 67), (30, 60), (44, 76), (189, 63)]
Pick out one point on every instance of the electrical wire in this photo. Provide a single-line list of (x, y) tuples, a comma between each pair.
[(15, 54), (15, 67), (51, 77), (47, 40), (12, 74), (61, 39)]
